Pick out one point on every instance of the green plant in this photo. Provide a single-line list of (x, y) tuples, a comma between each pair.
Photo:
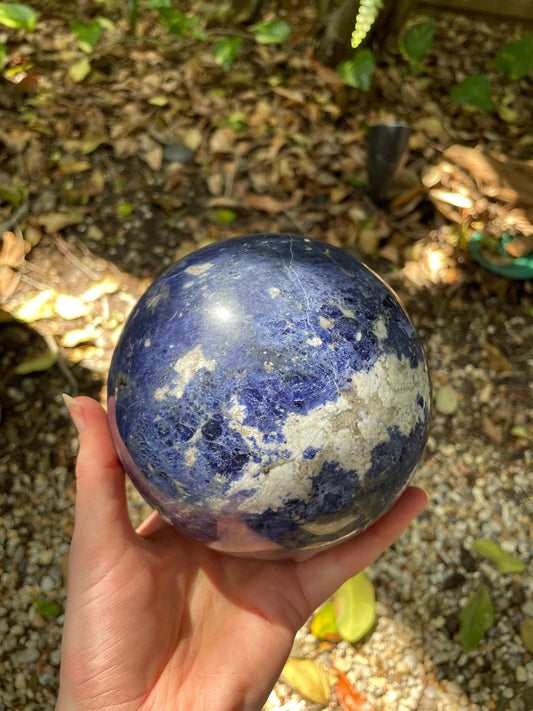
[(350, 614), (366, 16), (475, 90), (515, 59), (417, 40), (17, 16), (358, 71)]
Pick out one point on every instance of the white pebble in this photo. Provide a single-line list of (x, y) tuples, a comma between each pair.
[(521, 674)]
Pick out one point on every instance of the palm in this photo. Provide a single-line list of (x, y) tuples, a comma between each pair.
[(155, 621), (187, 620)]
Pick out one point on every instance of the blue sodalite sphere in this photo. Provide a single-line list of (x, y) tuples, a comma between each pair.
[(269, 396)]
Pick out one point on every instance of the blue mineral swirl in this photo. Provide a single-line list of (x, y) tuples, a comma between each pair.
[(273, 387)]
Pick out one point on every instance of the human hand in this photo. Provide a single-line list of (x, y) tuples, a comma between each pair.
[(155, 621)]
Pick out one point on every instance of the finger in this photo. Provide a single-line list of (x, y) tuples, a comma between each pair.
[(101, 504), (326, 572), (151, 525)]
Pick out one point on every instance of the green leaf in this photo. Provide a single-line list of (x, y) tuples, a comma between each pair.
[(87, 35), (271, 31), (418, 39), (515, 59), (308, 679), (504, 562), (174, 20), (20, 17), (44, 361), (475, 618), (2, 55), (526, 633), (180, 24), (359, 70), (355, 607), (80, 70), (46, 608), (324, 623), (124, 210), (474, 90), (225, 51), (222, 215)]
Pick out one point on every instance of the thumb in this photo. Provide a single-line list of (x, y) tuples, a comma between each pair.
[(101, 504)]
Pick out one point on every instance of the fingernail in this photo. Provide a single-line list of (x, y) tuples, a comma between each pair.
[(76, 413)]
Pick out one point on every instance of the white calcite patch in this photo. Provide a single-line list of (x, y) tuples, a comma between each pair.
[(186, 367), (314, 341), (157, 295), (379, 326), (198, 269), (346, 431)]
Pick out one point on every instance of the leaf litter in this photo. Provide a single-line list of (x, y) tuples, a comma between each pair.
[(279, 142)]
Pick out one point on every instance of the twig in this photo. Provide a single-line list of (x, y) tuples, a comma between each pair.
[(19, 213), (71, 380), (297, 222), (77, 262), (37, 284)]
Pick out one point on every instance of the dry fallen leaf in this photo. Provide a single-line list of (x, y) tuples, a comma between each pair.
[(70, 307), (79, 335), (222, 140), (13, 250), (39, 307), (308, 679), (56, 221), (108, 285)]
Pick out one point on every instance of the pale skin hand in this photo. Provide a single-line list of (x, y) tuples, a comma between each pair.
[(157, 622)]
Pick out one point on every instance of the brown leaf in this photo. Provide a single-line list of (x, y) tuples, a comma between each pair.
[(55, 221), (9, 280), (222, 140), (13, 250), (268, 204)]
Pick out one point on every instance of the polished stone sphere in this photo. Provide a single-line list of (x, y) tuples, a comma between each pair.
[(269, 396)]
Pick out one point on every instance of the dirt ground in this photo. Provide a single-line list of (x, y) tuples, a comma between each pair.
[(157, 152)]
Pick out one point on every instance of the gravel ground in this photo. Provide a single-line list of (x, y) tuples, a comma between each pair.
[(476, 470)]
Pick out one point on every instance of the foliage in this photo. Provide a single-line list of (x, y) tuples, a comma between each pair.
[(477, 614), (308, 679), (354, 604), (367, 15), (271, 32), (515, 59), (474, 90), (417, 40), (358, 71), (504, 562), (351, 613), (17, 16), (476, 617), (46, 608), (225, 51)]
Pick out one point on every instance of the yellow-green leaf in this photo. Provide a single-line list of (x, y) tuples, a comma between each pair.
[(355, 607), (324, 624), (475, 618), (526, 633), (44, 361), (504, 562), (80, 70), (46, 608), (17, 16), (308, 679)]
